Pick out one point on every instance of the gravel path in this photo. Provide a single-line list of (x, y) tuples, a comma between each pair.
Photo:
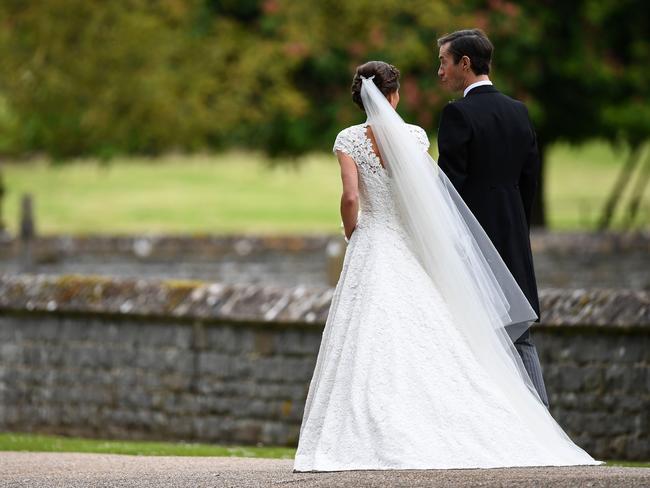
[(71, 470)]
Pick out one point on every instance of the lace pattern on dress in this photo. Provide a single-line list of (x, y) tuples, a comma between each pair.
[(354, 142)]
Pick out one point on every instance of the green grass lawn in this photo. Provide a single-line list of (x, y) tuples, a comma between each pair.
[(43, 443), (49, 443), (243, 192), (579, 180)]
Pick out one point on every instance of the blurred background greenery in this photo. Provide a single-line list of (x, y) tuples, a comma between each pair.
[(208, 115), (241, 192)]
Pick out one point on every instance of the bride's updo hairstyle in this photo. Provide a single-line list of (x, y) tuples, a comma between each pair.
[(386, 77)]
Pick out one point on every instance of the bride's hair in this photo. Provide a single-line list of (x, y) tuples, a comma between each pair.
[(386, 78)]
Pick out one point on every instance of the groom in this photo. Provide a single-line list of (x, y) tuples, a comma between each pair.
[(488, 149)]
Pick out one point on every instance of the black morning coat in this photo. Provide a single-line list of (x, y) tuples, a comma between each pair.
[(488, 149)]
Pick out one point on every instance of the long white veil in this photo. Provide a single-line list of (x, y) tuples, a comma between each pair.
[(486, 304)]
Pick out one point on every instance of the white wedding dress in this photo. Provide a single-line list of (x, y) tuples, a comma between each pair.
[(395, 384)]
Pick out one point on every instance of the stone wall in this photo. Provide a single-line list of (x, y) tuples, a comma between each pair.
[(152, 379), (232, 363), (562, 260), (599, 387)]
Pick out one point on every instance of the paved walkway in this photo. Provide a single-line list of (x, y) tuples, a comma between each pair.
[(71, 470)]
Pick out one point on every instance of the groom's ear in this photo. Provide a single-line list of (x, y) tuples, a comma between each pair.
[(465, 63)]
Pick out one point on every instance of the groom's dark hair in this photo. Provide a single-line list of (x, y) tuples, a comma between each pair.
[(472, 43)]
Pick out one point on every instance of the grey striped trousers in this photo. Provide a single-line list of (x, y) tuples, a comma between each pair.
[(528, 353)]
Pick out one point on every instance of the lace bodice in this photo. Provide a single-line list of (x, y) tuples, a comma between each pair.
[(376, 202)]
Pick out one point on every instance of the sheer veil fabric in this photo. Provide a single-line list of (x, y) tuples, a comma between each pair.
[(458, 256)]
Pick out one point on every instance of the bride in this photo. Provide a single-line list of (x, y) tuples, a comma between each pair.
[(416, 367)]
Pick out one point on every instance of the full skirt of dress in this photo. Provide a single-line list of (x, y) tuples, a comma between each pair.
[(396, 386)]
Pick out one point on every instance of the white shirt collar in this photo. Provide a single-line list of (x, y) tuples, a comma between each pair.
[(474, 85)]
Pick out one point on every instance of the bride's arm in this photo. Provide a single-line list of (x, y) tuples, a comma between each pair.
[(350, 196)]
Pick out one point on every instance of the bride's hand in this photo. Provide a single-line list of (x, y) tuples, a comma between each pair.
[(345, 236)]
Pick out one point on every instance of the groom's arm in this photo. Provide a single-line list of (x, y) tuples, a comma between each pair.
[(453, 138), (529, 177)]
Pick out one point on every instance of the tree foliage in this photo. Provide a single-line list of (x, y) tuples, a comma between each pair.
[(133, 76)]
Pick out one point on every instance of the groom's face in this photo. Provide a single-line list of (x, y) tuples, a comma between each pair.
[(450, 74)]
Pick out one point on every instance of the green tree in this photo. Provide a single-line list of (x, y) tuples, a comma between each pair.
[(94, 77), (329, 38)]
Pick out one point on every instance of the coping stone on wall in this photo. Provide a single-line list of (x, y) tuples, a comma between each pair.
[(197, 300), (165, 298)]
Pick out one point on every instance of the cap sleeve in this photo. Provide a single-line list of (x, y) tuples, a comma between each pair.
[(420, 136), (343, 142)]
